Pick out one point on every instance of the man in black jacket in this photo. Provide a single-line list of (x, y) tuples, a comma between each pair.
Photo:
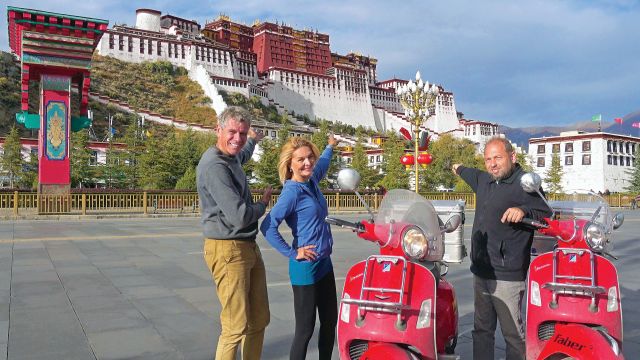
[(500, 248)]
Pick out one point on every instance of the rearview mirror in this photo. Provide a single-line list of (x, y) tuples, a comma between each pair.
[(530, 182), (452, 224), (348, 179), (618, 220)]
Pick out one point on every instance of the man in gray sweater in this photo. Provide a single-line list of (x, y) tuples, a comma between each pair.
[(230, 221)]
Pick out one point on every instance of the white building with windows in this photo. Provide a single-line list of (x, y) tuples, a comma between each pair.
[(590, 161)]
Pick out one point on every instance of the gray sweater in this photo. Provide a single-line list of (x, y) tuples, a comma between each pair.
[(228, 211)]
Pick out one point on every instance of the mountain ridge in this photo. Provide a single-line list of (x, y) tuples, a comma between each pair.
[(521, 135)]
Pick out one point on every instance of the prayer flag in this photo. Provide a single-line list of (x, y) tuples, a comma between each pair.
[(636, 124), (405, 133), (618, 120), (596, 117)]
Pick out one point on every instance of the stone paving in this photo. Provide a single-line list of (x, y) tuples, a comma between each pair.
[(139, 289)]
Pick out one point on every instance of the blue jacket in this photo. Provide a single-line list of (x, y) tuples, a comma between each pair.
[(304, 209)]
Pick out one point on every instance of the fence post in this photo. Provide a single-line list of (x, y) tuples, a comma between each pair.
[(15, 203), (337, 201), (84, 204), (144, 203), (375, 201)]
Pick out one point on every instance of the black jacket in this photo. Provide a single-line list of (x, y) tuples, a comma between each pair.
[(501, 251)]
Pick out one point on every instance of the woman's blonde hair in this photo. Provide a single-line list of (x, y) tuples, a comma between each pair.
[(293, 144)]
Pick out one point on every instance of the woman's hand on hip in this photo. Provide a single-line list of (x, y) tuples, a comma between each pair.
[(306, 253)]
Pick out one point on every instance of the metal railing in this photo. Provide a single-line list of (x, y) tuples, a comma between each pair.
[(149, 202)]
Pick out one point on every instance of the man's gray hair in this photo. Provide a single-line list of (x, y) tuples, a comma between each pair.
[(236, 113), (507, 144)]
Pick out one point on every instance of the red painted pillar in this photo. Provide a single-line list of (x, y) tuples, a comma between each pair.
[(53, 143)]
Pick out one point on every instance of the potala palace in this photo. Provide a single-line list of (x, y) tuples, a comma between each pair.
[(294, 70)]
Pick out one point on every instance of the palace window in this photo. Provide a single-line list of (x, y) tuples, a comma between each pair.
[(149, 47), (555, 148), (182, 51), (609, 159), (169, 47), (621, 160), (121, 42), (141, 46), (586, 146), (159, 50), (568, 160), (609, 146), (586, 159), (540, 149), (111, 41), (93, 158), (540, 162), (628, 161), (130, 43), (568, 147)]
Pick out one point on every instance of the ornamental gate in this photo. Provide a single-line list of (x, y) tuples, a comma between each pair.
[(54, 50)]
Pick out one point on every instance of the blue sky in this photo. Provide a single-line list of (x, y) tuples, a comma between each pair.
[(516, 63)]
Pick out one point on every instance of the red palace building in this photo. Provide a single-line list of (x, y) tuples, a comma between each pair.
[(276, 45)]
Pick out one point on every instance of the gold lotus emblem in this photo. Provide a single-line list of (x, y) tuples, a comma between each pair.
[(56, 135)]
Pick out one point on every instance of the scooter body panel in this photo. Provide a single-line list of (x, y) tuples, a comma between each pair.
[(543, 318), (359, 324), (578, 342)]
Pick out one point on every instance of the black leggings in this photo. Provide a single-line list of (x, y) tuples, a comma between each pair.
[(306, 298)]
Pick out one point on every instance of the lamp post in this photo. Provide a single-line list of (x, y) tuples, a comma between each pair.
[(419, 102)]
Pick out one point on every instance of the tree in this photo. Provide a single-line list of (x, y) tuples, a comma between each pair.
[(12, 161), (266, 170), (553, 176), (112, 171), (188, 180), (82, 173), (134, 140), (525, 161), (395, 175), (151, 172), (634, 174), (360, 162), (320, 139), (446, 151)]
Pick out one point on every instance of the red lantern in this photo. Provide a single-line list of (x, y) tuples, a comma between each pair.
[(425, 159), (407, 160)]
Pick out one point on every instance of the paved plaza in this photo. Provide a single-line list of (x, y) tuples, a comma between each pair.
[(139, 289)]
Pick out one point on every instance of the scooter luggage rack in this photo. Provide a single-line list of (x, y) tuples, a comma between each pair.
[(382, 306), (573, 289)]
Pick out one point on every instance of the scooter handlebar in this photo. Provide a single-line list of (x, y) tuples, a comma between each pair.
[(345, 224), (535, 223)]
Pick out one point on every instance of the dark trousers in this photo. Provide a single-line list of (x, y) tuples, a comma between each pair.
[(306, 299)]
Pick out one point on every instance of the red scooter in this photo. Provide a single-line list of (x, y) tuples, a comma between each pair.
[(573, 306), (397, 305)]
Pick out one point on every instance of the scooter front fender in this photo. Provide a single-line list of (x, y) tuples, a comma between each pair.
[(581, 342), (386, 351)]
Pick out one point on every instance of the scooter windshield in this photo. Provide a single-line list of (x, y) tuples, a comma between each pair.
[(585, 205), (401, 208)]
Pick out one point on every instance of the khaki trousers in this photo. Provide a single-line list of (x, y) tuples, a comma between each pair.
[(239, 274)]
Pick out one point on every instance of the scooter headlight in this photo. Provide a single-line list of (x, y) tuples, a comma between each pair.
[(596, 236), (414, 243)]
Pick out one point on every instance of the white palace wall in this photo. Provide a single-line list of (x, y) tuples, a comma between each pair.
[(325, 98)]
